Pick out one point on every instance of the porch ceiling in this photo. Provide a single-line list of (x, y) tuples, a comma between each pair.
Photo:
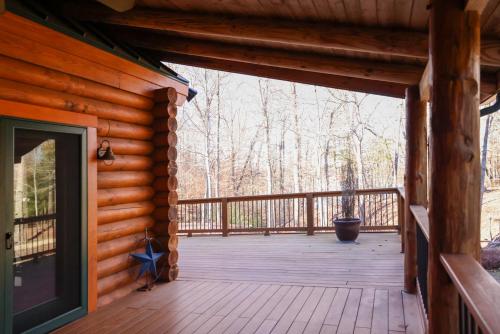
[(343, 44)]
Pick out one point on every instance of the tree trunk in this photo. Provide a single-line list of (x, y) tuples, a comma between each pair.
[(396, 155), (217, 146), (282, 157), (35, 179), (233, 166), (297, 167), (326, 166), (484, 154), (264, 94)]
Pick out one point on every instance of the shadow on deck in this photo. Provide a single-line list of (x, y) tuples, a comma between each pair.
[(279, 284)]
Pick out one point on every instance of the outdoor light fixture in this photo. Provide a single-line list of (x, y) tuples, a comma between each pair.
[(105, 153)]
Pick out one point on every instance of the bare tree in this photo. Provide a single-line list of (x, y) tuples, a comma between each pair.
[(265, 96), (297, 167), (484, 153), (396, 151)]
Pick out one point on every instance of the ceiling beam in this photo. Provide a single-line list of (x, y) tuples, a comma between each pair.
[(311, 62), (311, 78), (119, 5), (489, 81), (287, 60), (325, 35)]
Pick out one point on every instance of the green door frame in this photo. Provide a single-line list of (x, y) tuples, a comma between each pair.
[(7, 126)]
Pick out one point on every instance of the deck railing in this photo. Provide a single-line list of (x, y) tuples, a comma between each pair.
[(479, 293), (34, 236), (422, 219), (379, 210)]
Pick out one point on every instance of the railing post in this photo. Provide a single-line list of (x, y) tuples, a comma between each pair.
[(415, 178), (401, 219), (225, 226), (310, 214)]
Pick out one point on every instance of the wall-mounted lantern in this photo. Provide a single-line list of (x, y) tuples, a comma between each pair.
[(105, 153)]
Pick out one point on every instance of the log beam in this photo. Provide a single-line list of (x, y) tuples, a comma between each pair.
[(31, 74), (107, 197), (415, 178), (454, 207), (306, 61), (272, 72), (110, 214), (312, 34), (489, 81)]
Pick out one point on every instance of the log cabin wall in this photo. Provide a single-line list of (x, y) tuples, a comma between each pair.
[(165, 184), (50, 69)]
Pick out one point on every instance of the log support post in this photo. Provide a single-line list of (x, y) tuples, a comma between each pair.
[(454, 206), (225, 213), (310, 214), (165, 183), (415, 179)]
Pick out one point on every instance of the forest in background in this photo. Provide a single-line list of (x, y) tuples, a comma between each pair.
[(246, 135)]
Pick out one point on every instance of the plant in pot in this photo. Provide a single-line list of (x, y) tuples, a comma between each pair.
[(347, 225)]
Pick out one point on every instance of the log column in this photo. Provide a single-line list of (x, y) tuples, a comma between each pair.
[(165, 184), (416, 178), (454, 207)]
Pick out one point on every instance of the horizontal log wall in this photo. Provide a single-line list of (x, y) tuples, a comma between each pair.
[(125, 188)]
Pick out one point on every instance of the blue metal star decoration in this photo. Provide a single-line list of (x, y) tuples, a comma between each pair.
[(148, 260)]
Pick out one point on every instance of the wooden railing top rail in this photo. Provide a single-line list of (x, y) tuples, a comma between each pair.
[(34, 219), (478, 289), (285, 196), (422, 218), (401, 191)]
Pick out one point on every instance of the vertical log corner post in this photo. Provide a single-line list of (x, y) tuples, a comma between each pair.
[(416, 178), (454, 208), (165, 183)]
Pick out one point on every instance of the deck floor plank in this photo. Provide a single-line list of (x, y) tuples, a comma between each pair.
[(221, 326), (396, 315), (380, 322), (260, 317), (365, 312), (305, 314), (318, 317), (350, 312), (279, 284)]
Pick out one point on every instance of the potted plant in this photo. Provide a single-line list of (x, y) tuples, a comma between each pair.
[(347, 225)]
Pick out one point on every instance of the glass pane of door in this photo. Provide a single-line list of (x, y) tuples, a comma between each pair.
[(35, 221), (47, 226)]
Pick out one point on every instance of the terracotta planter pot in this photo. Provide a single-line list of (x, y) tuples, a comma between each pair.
[(347, 229)]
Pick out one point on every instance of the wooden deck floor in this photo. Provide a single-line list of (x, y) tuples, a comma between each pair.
[(374, 260), (276, 284)]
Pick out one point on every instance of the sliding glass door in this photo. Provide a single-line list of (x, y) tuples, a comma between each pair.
[(43, 205)]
